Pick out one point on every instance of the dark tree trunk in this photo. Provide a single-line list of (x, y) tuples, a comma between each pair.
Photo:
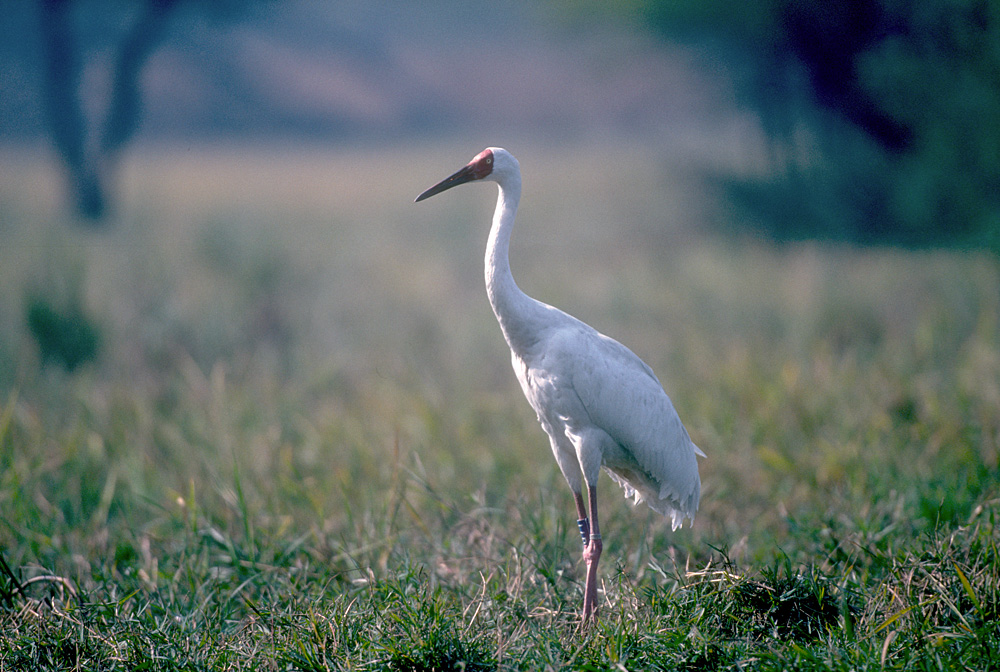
[(126, 101), (91, 150), (67, 122)]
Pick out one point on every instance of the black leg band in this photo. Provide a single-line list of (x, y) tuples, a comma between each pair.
[(584, 525)]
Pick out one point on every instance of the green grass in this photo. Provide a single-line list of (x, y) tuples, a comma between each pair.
[(301, 446)]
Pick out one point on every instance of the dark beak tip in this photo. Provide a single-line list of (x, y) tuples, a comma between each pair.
[(461, 177)]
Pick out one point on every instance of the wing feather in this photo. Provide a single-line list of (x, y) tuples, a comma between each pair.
[(624, 398)]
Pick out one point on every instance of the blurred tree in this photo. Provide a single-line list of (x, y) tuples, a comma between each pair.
[(826, 39), (940, 77), (908, 151), (91, 146), (91, 149), (919, 78)]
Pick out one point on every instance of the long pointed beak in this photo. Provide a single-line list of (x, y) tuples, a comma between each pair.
[(464, 175)]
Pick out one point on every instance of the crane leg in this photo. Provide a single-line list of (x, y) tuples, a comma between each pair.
[(591, 551), (582, 521)]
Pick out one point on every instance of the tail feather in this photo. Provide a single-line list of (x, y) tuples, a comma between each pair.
[(664, 502)]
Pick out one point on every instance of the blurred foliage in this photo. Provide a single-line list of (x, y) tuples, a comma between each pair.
[(899, 141), (64, 334), (941, 77)]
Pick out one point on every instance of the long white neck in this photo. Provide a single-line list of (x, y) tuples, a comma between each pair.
[(517, 313)]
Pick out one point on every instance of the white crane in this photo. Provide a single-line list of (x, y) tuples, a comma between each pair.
[(599, 403)]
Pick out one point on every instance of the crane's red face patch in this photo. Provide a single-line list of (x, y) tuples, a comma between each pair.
[(482, 165)]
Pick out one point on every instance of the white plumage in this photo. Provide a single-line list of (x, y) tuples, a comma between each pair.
[(602, 406), (598, 402)]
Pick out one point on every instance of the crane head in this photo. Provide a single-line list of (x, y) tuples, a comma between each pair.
[(477, 169)]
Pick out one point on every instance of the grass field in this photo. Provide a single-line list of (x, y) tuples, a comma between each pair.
[(301, 445)]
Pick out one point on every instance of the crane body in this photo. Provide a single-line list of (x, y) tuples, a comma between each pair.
[(599, 403)]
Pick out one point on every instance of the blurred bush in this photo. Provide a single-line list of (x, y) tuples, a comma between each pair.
[(65, 334), (899, 140)]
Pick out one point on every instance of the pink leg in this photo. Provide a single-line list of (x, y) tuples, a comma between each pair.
[(591, 554)]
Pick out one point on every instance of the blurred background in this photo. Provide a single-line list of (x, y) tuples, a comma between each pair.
[(871, 121), (208, 241)]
